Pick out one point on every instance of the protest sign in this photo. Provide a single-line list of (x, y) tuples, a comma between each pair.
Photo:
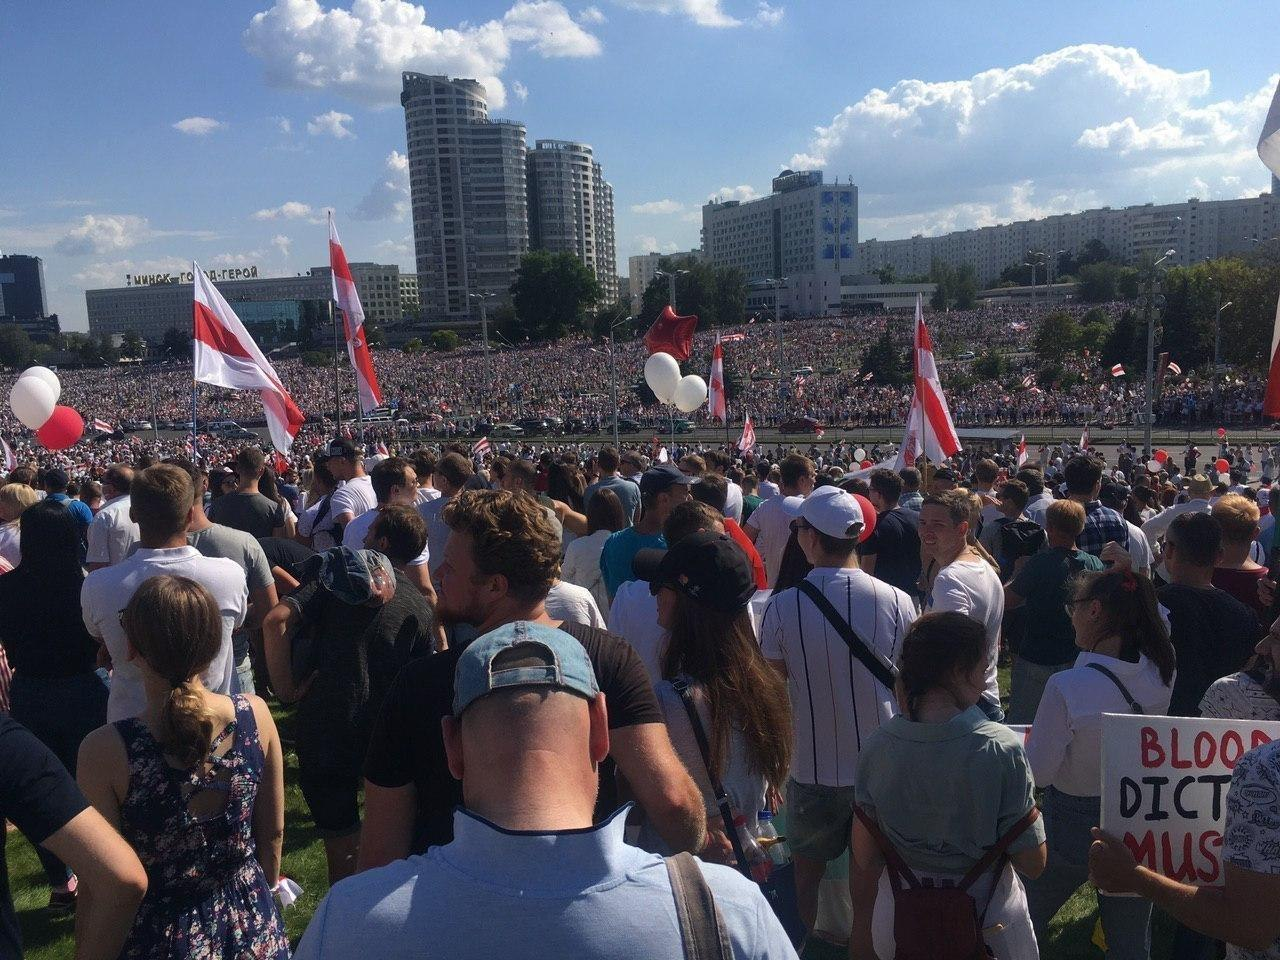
[(1164, 788)]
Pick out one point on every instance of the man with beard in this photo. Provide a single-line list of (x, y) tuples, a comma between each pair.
[(500, 561)]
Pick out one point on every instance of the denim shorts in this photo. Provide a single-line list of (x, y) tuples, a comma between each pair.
[(819, 819)]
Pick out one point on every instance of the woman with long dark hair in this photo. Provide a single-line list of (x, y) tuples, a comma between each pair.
[(1126, 665), (58, 693), (196, 785), (703, 585), (943, 785), (605, 516)]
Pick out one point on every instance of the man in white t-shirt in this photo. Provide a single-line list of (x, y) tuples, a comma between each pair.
[(766, 488), (769, 525), (356, 495), (394, 482), (162, 504), (112, 533), (452, 475), (836, 701), (965, 582)]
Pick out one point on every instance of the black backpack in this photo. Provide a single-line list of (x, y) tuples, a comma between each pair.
[(1019, 538)]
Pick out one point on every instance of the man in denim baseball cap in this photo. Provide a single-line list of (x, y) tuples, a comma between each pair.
[(529, 873)]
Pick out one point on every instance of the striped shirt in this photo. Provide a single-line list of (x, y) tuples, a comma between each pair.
[(835, 702)]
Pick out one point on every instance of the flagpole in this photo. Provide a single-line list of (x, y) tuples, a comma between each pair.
[(195, 384), (337, 384), (919, 394)]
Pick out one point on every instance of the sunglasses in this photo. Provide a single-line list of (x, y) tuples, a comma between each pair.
[(799, 523)]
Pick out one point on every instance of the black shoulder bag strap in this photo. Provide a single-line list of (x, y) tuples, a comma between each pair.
[(877, 666), (702, 929), (681, 685), (1134, 705)]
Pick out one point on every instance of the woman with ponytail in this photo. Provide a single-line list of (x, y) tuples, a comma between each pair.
[(1126, 665), (939, 787), (196, 785)]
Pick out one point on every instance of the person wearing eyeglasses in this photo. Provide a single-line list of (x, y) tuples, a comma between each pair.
[(1126, 665)]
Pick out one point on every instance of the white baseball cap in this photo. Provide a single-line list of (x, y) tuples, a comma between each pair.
[(834, 512)]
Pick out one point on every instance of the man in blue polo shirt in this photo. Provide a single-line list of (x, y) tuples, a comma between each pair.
[(527, 873), (55, 489), (662, 489)]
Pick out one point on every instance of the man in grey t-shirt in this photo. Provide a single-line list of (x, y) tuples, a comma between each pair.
[(245, 508)]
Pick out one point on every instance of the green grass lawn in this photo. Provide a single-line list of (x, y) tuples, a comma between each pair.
[(48, 937)]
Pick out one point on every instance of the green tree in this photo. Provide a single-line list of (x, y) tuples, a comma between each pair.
[(412, 346), (175, 344), (445, 340), (940, 274), (990, 365), (316, 358), (1093, 251), (1058, 336), (15, 346), (132, 346), (1098, 282), (551, 294), (887, 274), (964, 287), (887, 364), (1126, 343)]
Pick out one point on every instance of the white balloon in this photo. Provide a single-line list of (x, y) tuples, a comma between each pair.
[(32, 401), (860, 454), (691, 393), (46, 375), (1154, 466), (662, 373)]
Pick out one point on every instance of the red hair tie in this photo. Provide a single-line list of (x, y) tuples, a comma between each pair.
[(1129, 583)]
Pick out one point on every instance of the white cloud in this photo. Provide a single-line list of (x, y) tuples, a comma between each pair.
[(591, 15), (388, 198), (646, 243), (705, 13), (658, 206), (401, 248), (520, 90), (360, 53), (331, 124), (242, 259), (1090, 124), (199, 126), (281, 243), (289, 210), (112, 273), (284, 124), (768, 15), (104, 234), (743, 191)]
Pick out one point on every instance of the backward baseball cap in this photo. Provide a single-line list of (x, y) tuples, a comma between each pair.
[(522, 654)]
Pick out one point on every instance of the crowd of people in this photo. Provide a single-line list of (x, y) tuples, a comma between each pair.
[(527, 685), (442, 394)]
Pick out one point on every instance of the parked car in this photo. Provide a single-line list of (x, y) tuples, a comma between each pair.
[(801, 425), (966, 355), (534, 426), (625, 425), (683, 426), (506, 430), (230, 430)]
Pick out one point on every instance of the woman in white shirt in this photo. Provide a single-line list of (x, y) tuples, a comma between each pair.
[(582, 556), (14, 498), (1127, 666)]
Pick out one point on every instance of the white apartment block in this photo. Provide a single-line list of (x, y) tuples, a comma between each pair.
[(1195, 229), (571, 208)]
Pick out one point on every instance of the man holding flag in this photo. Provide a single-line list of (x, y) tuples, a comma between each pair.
[(929, 427)]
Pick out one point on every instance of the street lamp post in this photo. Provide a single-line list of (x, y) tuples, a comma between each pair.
[(1151, 350), (613, 378), (484, 334), (1217, 351), (671, 284)]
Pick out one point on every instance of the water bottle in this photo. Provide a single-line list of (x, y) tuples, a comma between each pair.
[(767, 836), (758, 862)]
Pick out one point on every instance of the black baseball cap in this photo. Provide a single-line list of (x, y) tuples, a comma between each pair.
[(340, 447), (662, 477), (945, 473), (707, 567)]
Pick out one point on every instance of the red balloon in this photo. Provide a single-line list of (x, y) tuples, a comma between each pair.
[(1222, 432), (1162, 456), (1222, 466), (868, 517), (865, 464), (63, 428)]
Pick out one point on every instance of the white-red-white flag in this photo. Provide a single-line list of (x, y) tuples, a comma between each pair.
[(226, 356), (1022, 452), (929, 427), (748, 438), (10, 461), (382, 450), (1269, 152), (1084, 438), (1174, 369), (715, 391), (1118, 370), (348, 301), (481, 447), (102, 426)]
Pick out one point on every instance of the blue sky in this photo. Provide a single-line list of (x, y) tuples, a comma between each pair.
[(139, 135)]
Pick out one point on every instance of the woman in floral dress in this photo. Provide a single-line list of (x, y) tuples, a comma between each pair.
[(196, 785)]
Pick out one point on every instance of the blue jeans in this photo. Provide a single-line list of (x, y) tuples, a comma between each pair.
[(242, 677), (1126, 921), (59, 712)]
